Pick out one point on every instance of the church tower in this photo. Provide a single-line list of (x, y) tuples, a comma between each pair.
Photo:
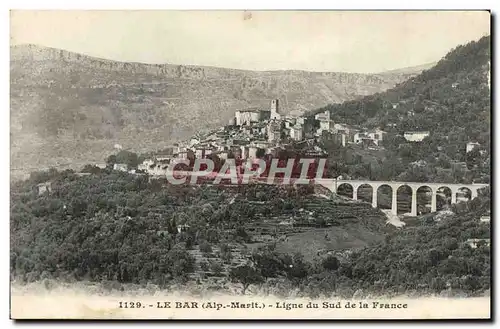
[(275, 110)]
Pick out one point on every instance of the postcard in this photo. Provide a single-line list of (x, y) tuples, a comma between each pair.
[(250, 164)]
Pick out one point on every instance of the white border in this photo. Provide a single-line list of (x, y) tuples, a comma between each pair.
[(257, 4)]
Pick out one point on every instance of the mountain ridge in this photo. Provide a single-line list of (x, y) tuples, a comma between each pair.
[(68, 54), (68, 108), (411, 69)]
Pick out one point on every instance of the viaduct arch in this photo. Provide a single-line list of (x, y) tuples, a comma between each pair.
[(333, 184)]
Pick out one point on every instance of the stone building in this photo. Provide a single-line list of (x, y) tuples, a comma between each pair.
[(249, 116), (325, 124), (297, 133), (471, 146), (43, 188), (120, 167), (273, 131), (415, 136), (377, 135), (275, 115)]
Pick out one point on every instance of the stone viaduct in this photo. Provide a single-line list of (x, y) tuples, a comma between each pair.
[(334, 184)]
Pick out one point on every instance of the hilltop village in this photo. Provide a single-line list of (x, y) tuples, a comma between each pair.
[(259, 132)]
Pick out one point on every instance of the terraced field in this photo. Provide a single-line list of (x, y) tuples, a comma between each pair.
[(321, 224)]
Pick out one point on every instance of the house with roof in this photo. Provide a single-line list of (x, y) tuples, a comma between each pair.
[(471, 146), (162, 157), (297, 132), (146, 165), (250, 115), (182, 228), (273, 131), (340, 138), (484, 218), (325, 123), (202, 151), (253, 151), (223, 154), (474, 243), (377, 135), (194, 141), (42, 188), (188, 154), (300, 120), (120, 167), (415, 136)]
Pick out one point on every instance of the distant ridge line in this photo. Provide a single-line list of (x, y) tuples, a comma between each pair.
[(31, 47)]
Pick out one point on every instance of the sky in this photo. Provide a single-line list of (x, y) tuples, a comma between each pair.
[(348, 41)]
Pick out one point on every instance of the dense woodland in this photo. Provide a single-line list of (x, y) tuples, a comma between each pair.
[(118, 227)]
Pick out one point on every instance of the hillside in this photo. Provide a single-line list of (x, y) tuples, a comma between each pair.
[(119, 229), (70, 109), (411, 70), (88, 220), (450, 100)]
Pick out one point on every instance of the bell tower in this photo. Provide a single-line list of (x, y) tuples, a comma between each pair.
[(275, 110)]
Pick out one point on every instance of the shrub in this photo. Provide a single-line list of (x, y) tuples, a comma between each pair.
[(205, 247), (331, 263), (216, 268)]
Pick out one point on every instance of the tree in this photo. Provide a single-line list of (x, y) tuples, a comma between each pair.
[(216, 268), (225, 253), (473, 158), (246, 275), (267, 263), (241, 233), (181, 261), (187, 237), (226, 256), (111, 160), (204, 266), (172, 226), (331, 263), (131, 159), (320, 222), (205, 247), (91, 169), (299, 269)]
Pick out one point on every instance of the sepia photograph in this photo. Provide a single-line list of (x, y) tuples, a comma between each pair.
[(250, 164)]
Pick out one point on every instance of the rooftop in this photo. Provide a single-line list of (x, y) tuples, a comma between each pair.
[(417, 132), (254, 109)]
